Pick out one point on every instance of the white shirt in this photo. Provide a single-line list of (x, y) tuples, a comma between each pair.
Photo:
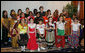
[(41, 28), (75, 26), (60, 25), (32, 26)]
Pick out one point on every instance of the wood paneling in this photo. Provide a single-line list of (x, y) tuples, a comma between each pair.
[(81, 10)]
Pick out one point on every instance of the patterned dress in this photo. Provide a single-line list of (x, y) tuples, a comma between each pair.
[(74, 38), (50, 37)]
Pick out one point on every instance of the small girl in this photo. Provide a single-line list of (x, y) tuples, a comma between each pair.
[(22, 30), (60, 29), (32, 44), (75, 33), (50, 37), (40, 29)]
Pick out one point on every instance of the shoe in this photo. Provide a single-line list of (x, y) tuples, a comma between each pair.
[(38, 49), (43, 48)]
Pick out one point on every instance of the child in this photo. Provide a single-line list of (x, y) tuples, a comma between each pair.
[(60, 29), (30, 16), (42, 13), (37, 18), (27, 12), (74, 37), (18, 14), (14, 35), (22, 29), (50, 37), (40, 29), (32, 44)]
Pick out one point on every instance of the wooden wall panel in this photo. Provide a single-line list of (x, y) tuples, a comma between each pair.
[(81, 11)]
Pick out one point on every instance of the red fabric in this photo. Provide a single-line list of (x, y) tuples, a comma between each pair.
[(22, 18), (32, 44), (55, 18), (45, 18), (60, 43), (68, 21), (32, 17)]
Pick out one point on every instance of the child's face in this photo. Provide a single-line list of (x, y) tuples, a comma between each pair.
[(50, 19), (13, 12), (5, 13), (30, 13), (61, 18), (31, 21), (20, 11), (76, 20), (49, 12), (23, 15), (38, 15), (40, 22), (41, 9), (22, 21), (74, 16), (27, 10)]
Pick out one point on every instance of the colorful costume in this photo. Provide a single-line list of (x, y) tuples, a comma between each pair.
[(32, 44), (68, 26), (74, 38), (14, 36), (41, 30), (23, 34), (50, 37), (60, 35)]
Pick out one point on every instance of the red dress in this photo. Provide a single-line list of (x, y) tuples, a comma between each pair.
[(32, 45)]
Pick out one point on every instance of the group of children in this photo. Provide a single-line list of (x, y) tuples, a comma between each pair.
[(25, 28)]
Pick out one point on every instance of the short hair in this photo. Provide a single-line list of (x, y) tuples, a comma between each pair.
[(40, 7), (27, 8)]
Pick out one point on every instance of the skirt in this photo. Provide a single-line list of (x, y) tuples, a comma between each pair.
[(73, 40), (60, 32), (50, 38)]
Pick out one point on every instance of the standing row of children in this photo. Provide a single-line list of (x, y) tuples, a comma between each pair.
[(25, 27)]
